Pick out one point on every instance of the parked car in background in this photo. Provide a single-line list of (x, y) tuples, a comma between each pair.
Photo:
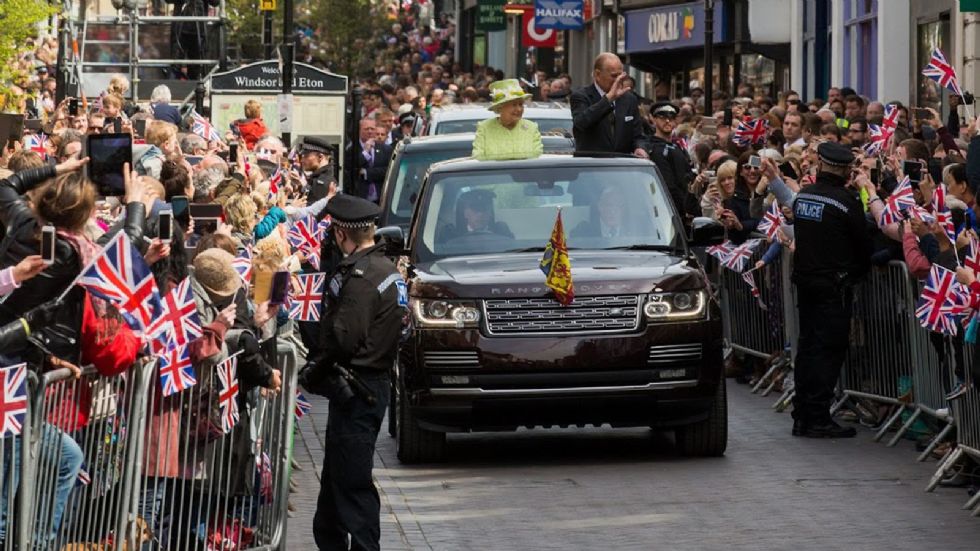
[(551, 117)]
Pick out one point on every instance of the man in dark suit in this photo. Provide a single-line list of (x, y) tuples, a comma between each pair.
[(605, 116), (372, 164)]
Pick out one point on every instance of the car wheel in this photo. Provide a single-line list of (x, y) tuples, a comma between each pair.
[(707, 438), (413, 443)]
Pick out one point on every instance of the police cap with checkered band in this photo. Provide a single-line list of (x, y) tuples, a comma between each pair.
[(348, 211)]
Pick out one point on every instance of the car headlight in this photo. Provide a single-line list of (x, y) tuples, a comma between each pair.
[(676, 306), (445, 313)]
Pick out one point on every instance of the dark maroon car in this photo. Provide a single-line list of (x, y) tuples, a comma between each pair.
[(492, 349)]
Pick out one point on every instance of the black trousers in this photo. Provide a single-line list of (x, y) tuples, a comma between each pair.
[(825, 323), (348, 503)]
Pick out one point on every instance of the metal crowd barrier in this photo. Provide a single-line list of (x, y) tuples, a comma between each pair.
[(892, 361), (768, 334), (111, 464)]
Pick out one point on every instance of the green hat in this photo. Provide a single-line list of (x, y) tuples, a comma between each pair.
[(503, 91)]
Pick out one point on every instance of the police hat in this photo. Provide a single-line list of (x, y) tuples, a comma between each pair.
[(663, 109), (835, 154), (348, 211), (312, 144)]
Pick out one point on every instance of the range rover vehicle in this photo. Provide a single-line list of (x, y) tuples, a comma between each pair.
[(411, 160), (492, 349), (463, 117)]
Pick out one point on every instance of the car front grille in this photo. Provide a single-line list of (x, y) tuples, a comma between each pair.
[(451, 359), (620, 313), (670, 355)]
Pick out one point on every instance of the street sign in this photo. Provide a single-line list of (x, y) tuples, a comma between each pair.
[(267, 5), (559, 14), (531, 36), (490, 16)]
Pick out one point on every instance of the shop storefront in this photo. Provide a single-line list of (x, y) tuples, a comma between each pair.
[(667, 42)]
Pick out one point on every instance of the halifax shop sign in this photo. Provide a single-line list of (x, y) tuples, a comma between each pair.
[(559, 14)]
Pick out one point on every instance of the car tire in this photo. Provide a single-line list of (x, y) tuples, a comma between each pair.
[(413, 443), (707, 438)]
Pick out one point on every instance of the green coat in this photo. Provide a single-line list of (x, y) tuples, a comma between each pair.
[(494, 142)]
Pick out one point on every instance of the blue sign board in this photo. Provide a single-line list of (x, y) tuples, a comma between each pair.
[(670, 27), (559, 14)]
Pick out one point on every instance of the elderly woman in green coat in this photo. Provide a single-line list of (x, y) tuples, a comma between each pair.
[(508, 135)]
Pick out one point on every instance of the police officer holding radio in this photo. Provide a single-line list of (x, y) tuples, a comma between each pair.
[(833, 252), (365, 301)]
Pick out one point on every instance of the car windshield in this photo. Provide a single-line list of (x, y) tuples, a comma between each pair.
[(412, 166), (499, 211), (561, 126)]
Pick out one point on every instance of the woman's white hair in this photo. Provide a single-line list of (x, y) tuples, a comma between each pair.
[(160, 94)]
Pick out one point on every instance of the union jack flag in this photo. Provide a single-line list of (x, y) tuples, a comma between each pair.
[(13, 399), (36, 143), (741, 254), (944, 217), (120, 276), (203, 128), (178, 322), (303, 405), (305, 236), (751, 132), (176, 370), (877, 140), (938, 304), (243, 264), (305, 305), (971, 259), (771, 222), (228, 393), (722, 251), (749, 278), (84, 479), (274, 182), (890, 121), (900, 199), (920, 213), (263, 464), (942, 72)]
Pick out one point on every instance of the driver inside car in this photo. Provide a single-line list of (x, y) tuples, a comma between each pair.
[(474, 216), (608, 218)]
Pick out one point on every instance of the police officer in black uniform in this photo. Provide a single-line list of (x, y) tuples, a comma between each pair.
[(833, 252), (674, 163), (315, 158), (366, 300)]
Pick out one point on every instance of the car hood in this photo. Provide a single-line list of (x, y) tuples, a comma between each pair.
[(519, 274)]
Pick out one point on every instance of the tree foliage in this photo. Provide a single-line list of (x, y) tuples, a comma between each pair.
[(19, 20), (340, 31)]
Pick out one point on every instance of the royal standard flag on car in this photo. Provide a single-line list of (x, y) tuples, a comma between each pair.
[(556, 266)]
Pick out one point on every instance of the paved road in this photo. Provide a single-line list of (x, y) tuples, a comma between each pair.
[(627, 489)]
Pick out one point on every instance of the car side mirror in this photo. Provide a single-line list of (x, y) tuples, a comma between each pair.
[(706, 232), (394, 239)]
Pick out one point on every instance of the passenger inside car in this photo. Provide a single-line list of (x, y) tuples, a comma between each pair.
[(474, 216), (608, 216)]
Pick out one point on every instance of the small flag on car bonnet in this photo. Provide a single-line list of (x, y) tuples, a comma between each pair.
[(556, 266)]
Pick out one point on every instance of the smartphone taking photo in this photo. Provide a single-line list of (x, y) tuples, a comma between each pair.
[(47, 244), (233, 153), (913, 170), (755, 161), (205, 216), (166, 226), (107, 154), (280, 288), (178, 206)]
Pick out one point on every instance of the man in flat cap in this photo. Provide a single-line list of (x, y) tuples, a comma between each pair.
[(315, 157), (673, 162), (833, 252), (365, 301)]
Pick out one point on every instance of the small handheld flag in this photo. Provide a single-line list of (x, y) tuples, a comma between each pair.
[(942, 72), (304, 305), (13, 399)]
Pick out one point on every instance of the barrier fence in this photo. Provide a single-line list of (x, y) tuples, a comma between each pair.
[(110, 463), (896, 374)]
